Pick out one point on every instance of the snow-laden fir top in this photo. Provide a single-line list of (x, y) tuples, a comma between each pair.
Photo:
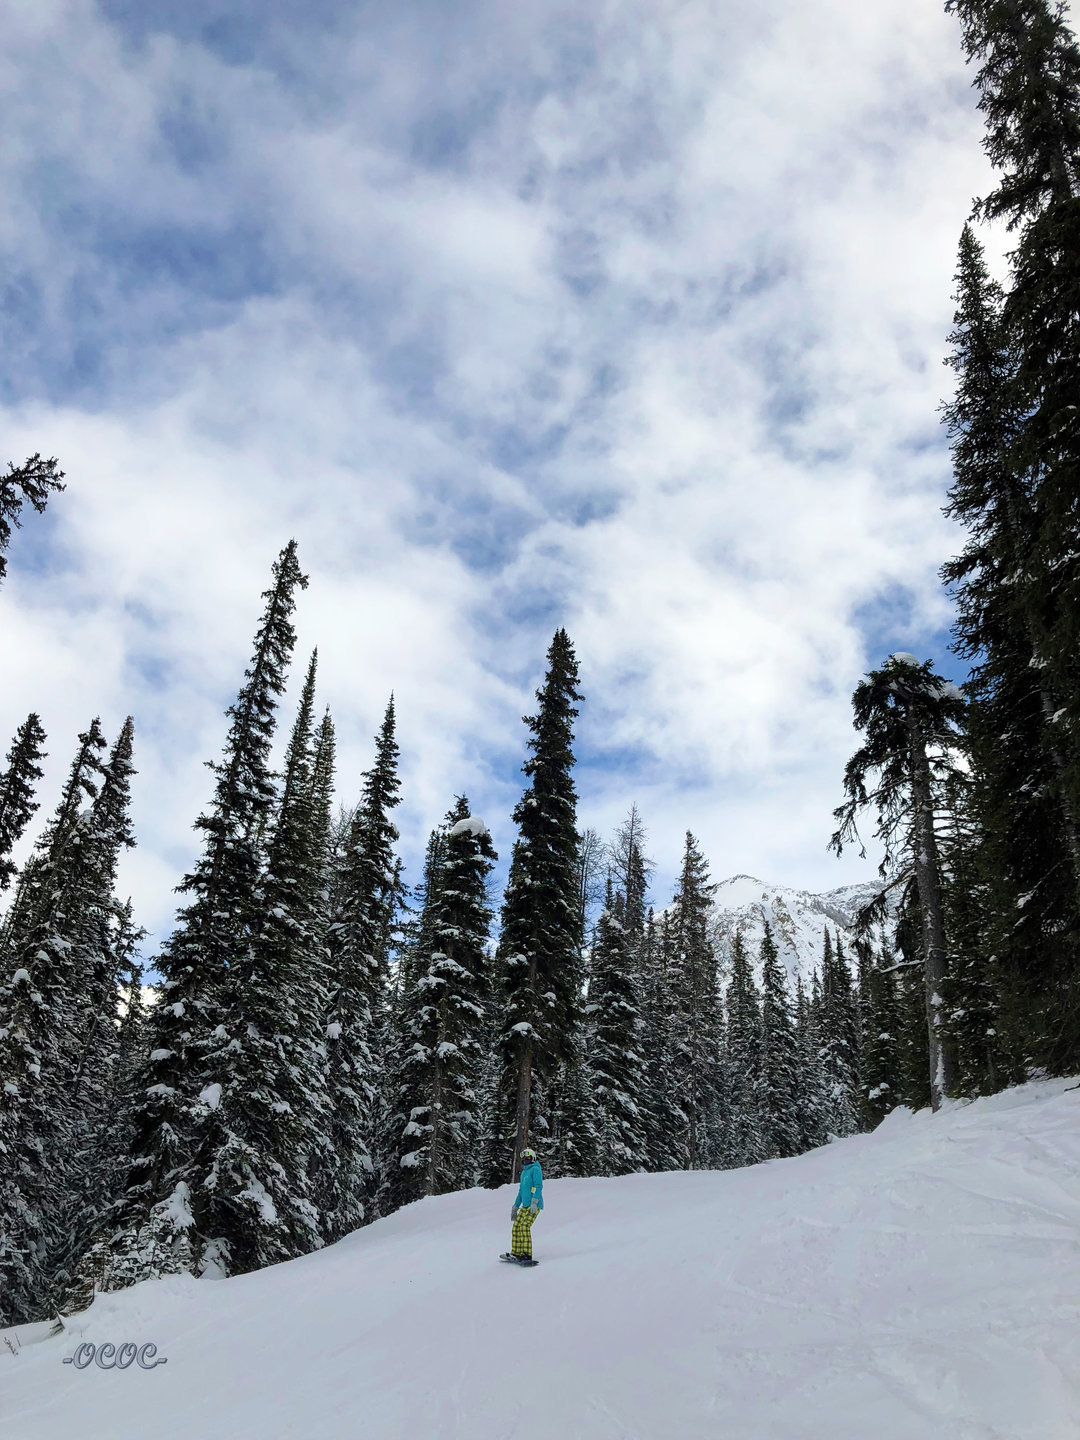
[(472, 825)]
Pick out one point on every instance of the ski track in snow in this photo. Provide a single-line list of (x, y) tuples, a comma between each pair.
[(920, 1283)]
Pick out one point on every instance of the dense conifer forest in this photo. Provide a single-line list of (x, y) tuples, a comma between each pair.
[(323, 1043)]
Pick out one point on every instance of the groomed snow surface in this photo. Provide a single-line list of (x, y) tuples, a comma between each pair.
[(920, 1283)]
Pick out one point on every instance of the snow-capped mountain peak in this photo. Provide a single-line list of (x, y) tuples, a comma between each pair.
[(798, 918)]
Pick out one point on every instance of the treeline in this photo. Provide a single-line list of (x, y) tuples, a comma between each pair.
[(324, 1046)]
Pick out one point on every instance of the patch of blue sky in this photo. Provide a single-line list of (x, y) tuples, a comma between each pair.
[(194, 139), (441, 139), (153, 671), (136, 292), (891, 621), (242, 34), (482, 531), (598, 760), (38, 548), (229, 263)]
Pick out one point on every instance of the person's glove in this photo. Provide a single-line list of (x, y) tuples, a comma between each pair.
[(533, 1208), (513, 1213)]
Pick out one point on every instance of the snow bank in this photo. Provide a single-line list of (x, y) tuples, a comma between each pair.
[(920, 1283)]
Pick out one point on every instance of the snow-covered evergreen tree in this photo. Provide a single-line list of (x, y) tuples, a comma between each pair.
[(445, 1027), (539, 956), (779, 1071), (83, 1269), (744, 1139), (616, 1064), (104, 939), (17, 803), (171, 1217), (811, 1098), (369, 893), (879, 1079), (318, 1144), (272, 1107), (57, 1015), (665, 1123), (912, 720), (1016, 453), (837, 1027), (697, 1018)]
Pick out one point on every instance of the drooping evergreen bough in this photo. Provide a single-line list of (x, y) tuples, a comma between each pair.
[(28, 484)]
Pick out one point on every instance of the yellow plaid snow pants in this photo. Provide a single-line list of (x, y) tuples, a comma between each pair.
[(521, 1234)]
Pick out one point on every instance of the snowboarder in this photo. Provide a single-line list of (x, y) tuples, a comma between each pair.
[(529, 1203)]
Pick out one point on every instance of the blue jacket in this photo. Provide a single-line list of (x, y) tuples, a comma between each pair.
[(531, 1187)]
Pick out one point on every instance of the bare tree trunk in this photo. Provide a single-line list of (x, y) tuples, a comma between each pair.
[(928, 882)]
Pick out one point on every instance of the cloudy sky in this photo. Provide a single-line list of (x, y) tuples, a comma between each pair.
[(622, 315)]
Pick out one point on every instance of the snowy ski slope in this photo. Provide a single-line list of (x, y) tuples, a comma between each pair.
[(921, 1283)]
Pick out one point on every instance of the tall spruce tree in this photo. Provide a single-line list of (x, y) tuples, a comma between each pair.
[(273, 1105), (696, 1033), (616, 1063), (170, 1217), (812, 1106), (744, 1141), (913, 723), (82, 1270), (369, 892), (779, 1072), (55, 1015), (318, 1145), (838, 1029), (539, 964), (665, 1123), (445, 1026), (17, 803), (1012, 907), (102, 938)]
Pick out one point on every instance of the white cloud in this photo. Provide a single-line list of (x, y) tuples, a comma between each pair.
[(625, 319)]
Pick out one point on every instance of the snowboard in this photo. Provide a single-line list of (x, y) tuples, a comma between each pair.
[(518, 1260)]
